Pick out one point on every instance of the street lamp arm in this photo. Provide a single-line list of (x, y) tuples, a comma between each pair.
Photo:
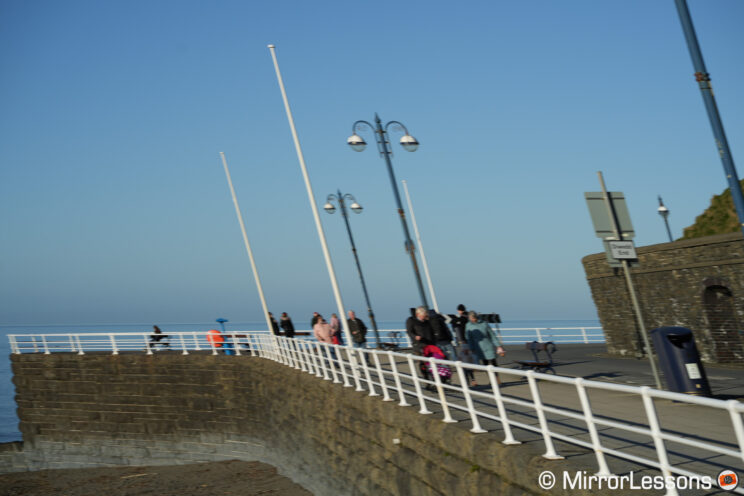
[(396, 123), (355, 128)]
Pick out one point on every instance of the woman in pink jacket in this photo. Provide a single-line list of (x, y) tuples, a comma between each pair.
[(322, 331)]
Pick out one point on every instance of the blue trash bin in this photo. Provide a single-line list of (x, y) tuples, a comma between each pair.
[(679, 361)]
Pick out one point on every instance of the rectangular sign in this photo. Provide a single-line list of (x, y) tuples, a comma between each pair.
[(622, 250), (601, 217), (693, 371)]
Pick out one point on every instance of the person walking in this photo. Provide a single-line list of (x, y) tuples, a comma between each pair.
[(336, 329), (483, 341), (358, 331), (274, 324), (421, 335), (286, 323), (322, 331), (442, 335), (459, 322)]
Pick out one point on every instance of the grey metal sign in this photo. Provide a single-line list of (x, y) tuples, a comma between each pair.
[(603, 226), (622, 250)]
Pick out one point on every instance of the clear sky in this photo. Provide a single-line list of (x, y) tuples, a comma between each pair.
[(114, 206)]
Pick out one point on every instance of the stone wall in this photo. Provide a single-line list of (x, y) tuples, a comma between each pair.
[(697, 283), (99, 410)]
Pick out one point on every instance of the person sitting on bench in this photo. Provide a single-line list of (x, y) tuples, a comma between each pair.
[(156, 338)]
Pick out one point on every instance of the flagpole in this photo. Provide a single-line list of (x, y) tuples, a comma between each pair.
[(313, 205), (421, 247), (269, 327)]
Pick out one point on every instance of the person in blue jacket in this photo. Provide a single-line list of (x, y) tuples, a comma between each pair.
[(482, 340)]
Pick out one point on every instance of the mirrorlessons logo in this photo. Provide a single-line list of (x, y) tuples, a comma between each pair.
[(727, 480)]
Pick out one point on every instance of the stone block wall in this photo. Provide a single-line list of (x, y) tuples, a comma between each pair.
[(134, 409), (697, 283)]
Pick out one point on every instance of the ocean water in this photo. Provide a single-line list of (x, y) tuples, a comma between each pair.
[(9, 419)]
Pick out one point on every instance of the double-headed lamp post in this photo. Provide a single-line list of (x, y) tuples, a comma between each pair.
[(409, 143), (664, 212), (357, 209)]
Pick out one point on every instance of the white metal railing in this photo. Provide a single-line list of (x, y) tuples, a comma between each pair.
[(393, 374), (184, 341), (565, 413), (519, 335)]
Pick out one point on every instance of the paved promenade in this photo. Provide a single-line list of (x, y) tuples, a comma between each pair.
[(591, 362)]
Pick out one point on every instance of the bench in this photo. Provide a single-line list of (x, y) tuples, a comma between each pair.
[(539, 365)]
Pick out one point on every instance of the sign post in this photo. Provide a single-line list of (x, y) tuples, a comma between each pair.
[(613, 226)]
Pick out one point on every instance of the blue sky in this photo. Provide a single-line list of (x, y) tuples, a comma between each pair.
[(115, 207)]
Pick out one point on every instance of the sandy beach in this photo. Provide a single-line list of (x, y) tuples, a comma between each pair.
[(203, 479)]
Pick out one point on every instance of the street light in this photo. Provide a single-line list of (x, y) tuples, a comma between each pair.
[(357, 209), (664, 212), (409, 143)]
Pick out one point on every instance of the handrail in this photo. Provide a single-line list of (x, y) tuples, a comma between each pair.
[(393, 374), (184, 341), (587, 420)]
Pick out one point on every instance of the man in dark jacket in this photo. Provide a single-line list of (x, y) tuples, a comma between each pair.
[(442, 335), (358, 330), (459, 323), (420, 332)]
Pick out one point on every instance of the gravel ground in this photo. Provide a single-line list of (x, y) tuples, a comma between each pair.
[(204, 479)]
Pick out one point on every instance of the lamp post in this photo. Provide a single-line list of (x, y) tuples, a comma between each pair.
[(357, 209), (221, 322), (664, 212), (409, 143)]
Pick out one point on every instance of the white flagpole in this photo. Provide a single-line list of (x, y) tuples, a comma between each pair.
[(421, 247), (247, 245), (313, 205)]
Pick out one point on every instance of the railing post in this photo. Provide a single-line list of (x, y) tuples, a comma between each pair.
[(80, 345), (550, 453), (332, 364), (508, 437), (183, 344), (583, 333), (539, 335), (363, 360), (314, 349), (236, 345), (653, 423), (737, 423), (353, 365), (342, 368), (604, 470), (440, 390), (14, 345), (327, 361), (417, 386), (113, 345), (295, 354), (396, 376), (46, 347), (381, 376), (33, 341), (476, 429), (148, 348), (72, 344)]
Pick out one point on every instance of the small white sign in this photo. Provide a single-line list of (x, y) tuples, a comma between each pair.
[(693, 372), (622, 250)]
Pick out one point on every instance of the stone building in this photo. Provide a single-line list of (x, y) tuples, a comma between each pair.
[(696, 283)]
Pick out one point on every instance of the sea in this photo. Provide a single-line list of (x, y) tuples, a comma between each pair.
[(9, 419)]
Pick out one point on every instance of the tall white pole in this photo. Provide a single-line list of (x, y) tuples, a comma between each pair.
[(313, 205), (421, 247), (247, 245)]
